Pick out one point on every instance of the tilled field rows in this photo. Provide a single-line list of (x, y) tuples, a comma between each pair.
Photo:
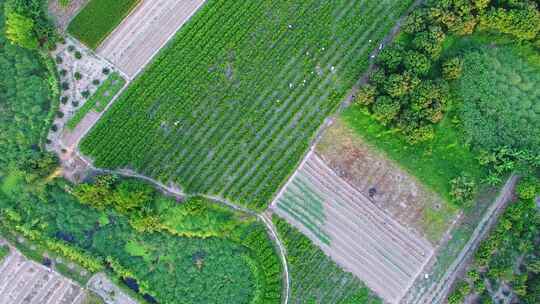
[(137, 39), (25, 282), (362, 238), (230, 106)]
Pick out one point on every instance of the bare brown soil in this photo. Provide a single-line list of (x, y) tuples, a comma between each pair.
[(364, 239), (145, 31), (385, 183)]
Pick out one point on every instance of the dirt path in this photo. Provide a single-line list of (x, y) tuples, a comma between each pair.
[(438, 293), (145, 31), (176, 192)]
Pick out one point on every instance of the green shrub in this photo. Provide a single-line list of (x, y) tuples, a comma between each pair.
[(528, 188), (463, 190)]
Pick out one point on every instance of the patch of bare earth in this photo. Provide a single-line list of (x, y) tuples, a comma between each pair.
[(63, 15), (145, 31), (363, 238), (387, 185)]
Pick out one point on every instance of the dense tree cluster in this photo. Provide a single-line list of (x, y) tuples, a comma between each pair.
[(511, 253), (27, 23), (410, 91)]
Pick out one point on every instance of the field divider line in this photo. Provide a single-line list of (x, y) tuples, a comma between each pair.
[(188, 17), (117, 27), (176, 192), (273, 204), (488, 221)]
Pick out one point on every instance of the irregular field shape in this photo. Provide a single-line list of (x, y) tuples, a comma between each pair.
[(230, 106), (140, 36), (24, 281), (363, 239)]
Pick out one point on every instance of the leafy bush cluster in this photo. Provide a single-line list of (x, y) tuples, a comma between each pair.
[(27, 24), (514, 239), (409, 91), (500, 112), (264, 263), (4, 251), (463, 190)]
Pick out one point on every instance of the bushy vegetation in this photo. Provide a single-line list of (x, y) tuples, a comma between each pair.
[(427, 101), (315, 278), (500, 94), (4, 252), (185, 261), (101, 98), (410, 89), (510, 256), (98, 19), (27, 24), (27, 87), (231, 105)]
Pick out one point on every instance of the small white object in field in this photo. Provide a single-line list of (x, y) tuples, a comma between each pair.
[(176, 123), (290, 26), (380, 46), (332, 68), (370, 40), (372, 56), (290, 85), (323, 48), (426, 276)]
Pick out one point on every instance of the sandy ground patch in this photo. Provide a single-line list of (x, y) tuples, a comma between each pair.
[(145, 31), (385, 183), (362, 238)]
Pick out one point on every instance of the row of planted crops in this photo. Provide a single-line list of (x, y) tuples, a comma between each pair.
[(231, 105)]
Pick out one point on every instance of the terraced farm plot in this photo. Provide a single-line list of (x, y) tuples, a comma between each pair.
[(231, 105), (24, 281), (140, 36), (361, 237)]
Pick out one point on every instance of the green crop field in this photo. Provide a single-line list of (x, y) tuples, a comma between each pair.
[(315, 277), (98, 19), (230, 107)]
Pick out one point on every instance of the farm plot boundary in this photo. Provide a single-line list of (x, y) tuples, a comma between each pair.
[(145, 31), (352, 230), (231, 112)]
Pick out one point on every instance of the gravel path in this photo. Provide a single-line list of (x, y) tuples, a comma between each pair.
[(145, 31)]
